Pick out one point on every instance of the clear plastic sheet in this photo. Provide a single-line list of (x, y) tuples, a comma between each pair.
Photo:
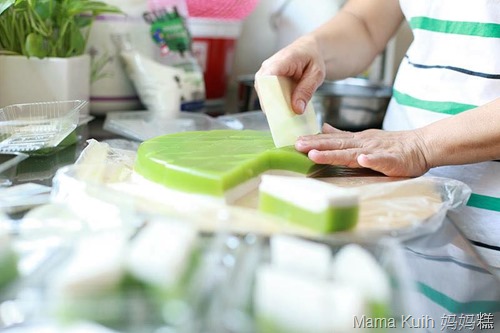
[(253, 120), (143, 125)]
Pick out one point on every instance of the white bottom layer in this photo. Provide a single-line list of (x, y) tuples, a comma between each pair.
[(230, 196)]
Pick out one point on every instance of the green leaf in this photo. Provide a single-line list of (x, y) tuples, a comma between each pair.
[(83, 21), (22, 5), (5, 4), (91, 7), (36, 46), (77, 42), (44, 9), (44, 28)]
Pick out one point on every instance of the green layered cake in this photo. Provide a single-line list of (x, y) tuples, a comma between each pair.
[(215, 162), (312, 203)]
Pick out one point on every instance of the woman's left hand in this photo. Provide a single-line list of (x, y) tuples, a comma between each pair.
[(396, 154)]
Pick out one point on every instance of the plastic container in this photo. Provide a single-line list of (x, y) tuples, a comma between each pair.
[(231, 306), (214, 42), (10, 160), (34, 126)]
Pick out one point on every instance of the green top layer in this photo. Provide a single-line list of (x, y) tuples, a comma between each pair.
[(212, 162)]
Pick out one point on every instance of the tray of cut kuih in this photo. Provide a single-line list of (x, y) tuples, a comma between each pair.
[(167, 274)]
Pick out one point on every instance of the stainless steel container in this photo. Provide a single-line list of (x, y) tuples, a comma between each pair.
[(247, 96), (352, 104)]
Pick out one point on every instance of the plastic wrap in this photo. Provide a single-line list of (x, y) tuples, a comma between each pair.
[(229, 302), (217, 296), (394, 206)]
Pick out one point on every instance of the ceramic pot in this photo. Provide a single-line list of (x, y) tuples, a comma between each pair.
[(29, 80)]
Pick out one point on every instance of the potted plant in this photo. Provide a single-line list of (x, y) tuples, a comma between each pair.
[(42, 49)]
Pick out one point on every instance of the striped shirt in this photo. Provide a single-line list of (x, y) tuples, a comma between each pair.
[(453, 65)]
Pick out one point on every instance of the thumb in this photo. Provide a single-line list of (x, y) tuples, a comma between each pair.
[(387, 164), (378, 163), (329, 129)]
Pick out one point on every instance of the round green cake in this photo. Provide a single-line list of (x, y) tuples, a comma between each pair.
[(213, 162)]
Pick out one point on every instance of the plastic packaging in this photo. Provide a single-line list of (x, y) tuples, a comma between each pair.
[(174, 48), (217, 291), (23, 197), (158, 85), (8, 161), (142, 125), (34, 126), (253, 120), (230, 304)]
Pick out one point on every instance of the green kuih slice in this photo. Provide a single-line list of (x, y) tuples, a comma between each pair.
[(213, 162), (312, 203)]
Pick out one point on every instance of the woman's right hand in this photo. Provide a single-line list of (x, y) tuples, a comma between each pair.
[(302, 61)]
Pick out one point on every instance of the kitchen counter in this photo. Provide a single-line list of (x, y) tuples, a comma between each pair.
[(455, 290)]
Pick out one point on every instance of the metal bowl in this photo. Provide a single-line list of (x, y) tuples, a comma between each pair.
[(352, 104)]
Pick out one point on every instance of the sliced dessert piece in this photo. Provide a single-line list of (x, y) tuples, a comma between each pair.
[(275, 94), (312, 203), (367, 276), (300, 255), (295, 303), (162, 253)]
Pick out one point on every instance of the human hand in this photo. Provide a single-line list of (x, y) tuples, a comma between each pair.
[(396, 154), (301, 61)]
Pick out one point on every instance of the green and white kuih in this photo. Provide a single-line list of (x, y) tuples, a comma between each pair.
[(309, 202)]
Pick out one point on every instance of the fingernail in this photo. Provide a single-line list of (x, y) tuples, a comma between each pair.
[(301, 105)]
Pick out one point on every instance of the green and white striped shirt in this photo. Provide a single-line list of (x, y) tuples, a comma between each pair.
[(453, 65)]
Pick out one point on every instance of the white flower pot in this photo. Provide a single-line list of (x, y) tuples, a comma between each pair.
[(29, 80)]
